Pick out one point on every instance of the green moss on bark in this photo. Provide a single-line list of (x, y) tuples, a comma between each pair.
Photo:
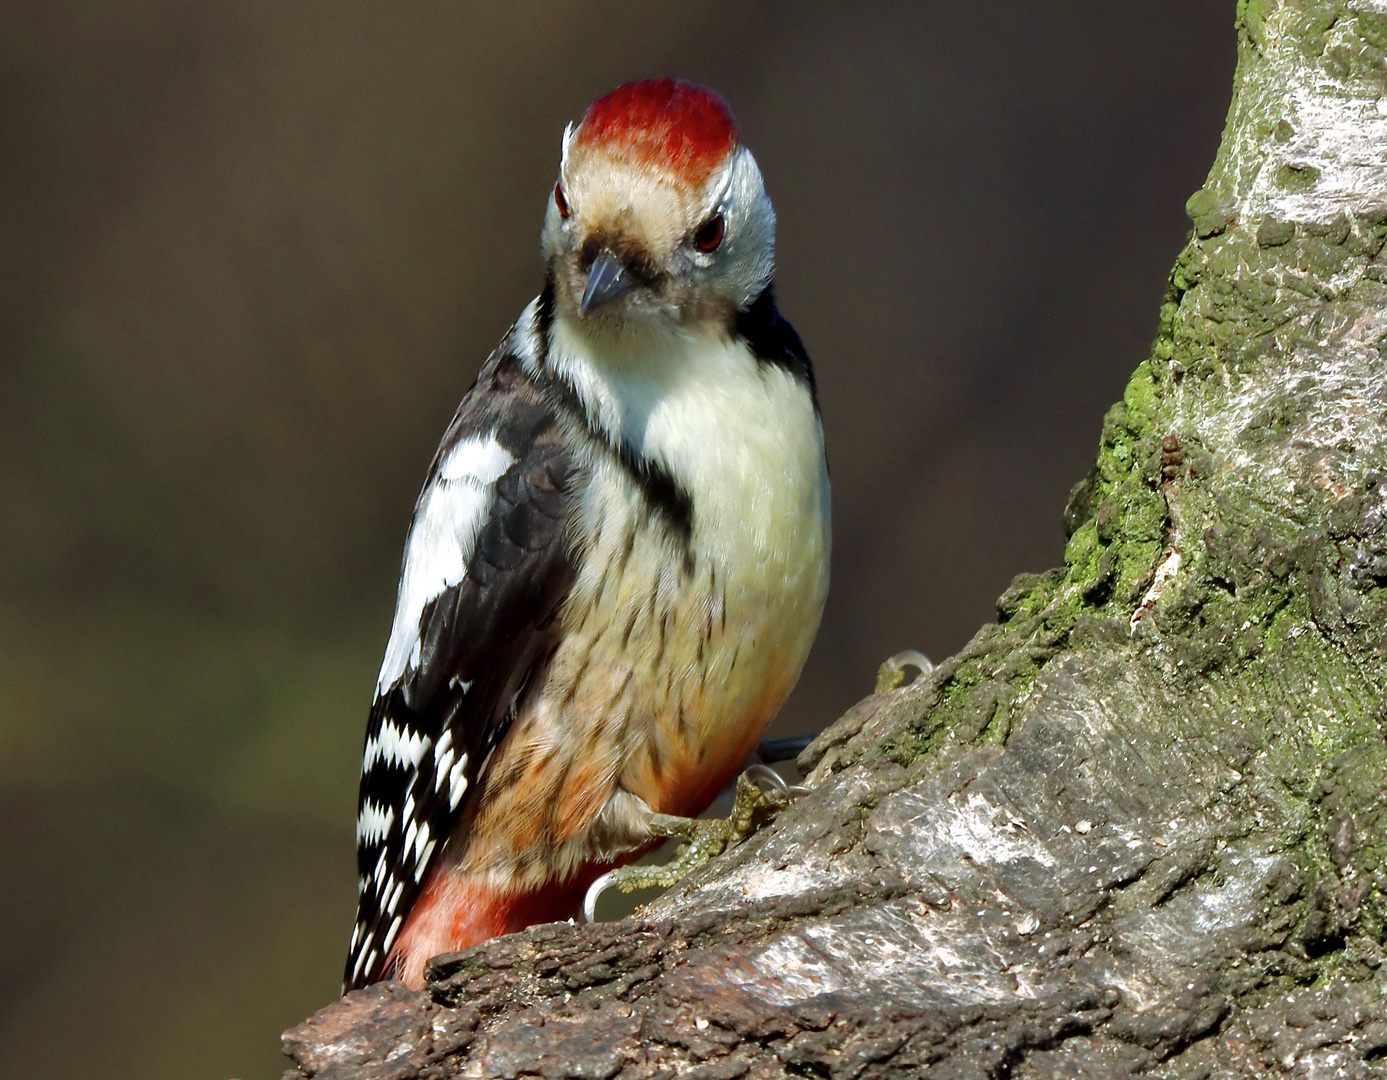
[(1230, 541)]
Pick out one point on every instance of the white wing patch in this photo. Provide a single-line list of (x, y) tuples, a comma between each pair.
[(457, 782), (441, 765), (423, 861), (390, 934), (394, 744), (372, 824), (450, 514)]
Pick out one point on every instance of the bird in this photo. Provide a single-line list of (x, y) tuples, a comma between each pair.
[(619, 559)]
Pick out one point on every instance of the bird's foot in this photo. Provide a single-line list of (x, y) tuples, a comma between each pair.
[(892, 673), (761, 793)]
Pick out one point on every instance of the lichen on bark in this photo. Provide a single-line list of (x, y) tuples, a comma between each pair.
[(1139, 824)]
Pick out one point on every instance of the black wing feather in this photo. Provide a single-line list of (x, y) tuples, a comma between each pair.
[(773, 340), (478, 642)]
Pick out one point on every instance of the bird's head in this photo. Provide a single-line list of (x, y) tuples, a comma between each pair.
[(659, 213)]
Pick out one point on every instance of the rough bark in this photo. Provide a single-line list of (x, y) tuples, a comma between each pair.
[(1138, 825)]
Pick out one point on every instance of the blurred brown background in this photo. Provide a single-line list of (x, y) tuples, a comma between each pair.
[(253, 253)]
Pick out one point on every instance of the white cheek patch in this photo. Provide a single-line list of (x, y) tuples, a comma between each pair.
[(749, 256), (446, 522)]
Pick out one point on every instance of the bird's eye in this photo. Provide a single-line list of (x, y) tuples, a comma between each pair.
[(560, 201), (708, 236)]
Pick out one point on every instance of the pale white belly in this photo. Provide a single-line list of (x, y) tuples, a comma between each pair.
[(673, 656), (685, 657)]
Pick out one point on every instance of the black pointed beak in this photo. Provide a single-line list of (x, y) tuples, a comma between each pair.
[(608, 279)]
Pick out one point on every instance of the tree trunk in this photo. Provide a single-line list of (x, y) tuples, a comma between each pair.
[(1137, 826)]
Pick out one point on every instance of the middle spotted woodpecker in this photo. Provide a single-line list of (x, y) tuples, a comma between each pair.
[(619, 560)]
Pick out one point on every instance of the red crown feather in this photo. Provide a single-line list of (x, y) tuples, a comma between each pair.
[(667, 123)]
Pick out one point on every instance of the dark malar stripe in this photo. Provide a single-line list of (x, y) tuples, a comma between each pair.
[(663, 494)]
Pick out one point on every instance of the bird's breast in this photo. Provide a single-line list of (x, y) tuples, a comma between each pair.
[(687, 624), (691, 638)]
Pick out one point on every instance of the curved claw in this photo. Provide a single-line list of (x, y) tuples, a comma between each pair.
[(595, 890), (758, 774), (892, 672)]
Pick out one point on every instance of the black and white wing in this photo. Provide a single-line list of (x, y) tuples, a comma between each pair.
[(486, 568)]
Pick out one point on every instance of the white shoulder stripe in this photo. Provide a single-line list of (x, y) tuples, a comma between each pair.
[(480, 461), (449, 516), (525, 337)]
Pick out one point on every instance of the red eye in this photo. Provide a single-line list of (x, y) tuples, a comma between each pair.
[(709, 234), (560, 201)]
